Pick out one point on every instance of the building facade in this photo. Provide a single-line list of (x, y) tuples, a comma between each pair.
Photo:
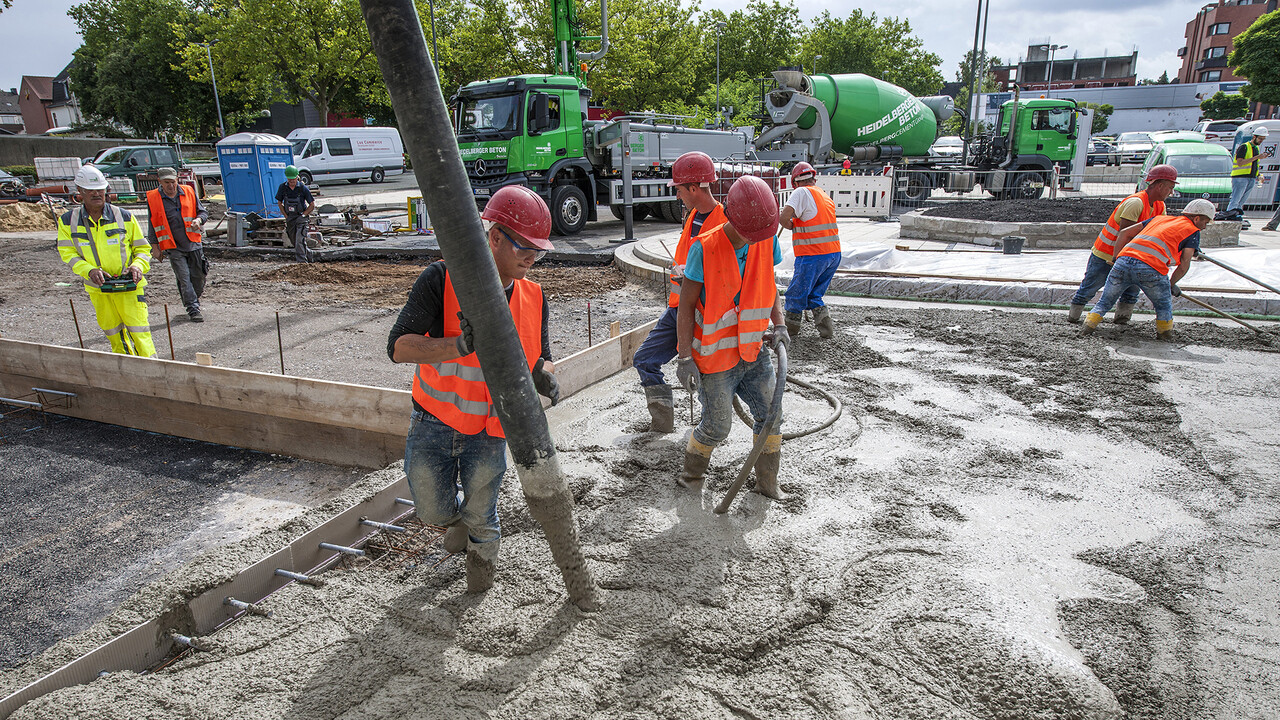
[(1211, 38), (1046, 68), (47, 102)]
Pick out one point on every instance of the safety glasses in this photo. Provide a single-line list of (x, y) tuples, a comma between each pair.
[(538, 253)]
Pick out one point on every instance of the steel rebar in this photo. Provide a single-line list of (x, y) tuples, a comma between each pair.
[(76, 320), (299, 577), (356, 552), (246, 607), (169, 330), (280, 342)]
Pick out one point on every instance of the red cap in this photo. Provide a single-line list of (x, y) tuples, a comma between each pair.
[(752, 208), (803, 171), (1162, 172), (522, 211), (692, 167)]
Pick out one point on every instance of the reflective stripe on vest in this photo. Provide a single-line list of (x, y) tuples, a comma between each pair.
[(1247, 170), (714, 219), (1105, 243), (111, 215), (818, 235), (160, 220), (1157, 243), (724, 333), (454, 391)]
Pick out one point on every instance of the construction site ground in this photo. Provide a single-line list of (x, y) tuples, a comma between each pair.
[(1007, 521)]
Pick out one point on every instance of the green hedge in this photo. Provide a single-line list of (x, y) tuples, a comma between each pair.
[(20, 170)]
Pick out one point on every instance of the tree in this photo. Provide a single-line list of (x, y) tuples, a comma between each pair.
[(1162, 80), (1101, 116), (883, 48), (955, 125), (1257, 58), (1222, 106), (755, 42), (655, 50)]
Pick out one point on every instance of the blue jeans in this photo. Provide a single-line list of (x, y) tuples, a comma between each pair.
[(657, 350), (753, 382), (1131, 272), (439, 461), (809, 281), (1095, 276), (1240, 187)]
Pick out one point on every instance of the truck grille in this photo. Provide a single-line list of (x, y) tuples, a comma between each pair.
[(486, 172)]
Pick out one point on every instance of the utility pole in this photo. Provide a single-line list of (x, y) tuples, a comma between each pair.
[(222, 131), (719, 115), (1052, 50), (972, 110)]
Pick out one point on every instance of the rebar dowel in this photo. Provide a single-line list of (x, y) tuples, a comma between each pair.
[(388, 527), (76, 320), (190, 642), (299, 577), (405, 501), (280, 342), (246, 607), (169, 329), (357, 552)]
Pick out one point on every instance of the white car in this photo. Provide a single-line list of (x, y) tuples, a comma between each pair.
[(947, 147), (1134, 146), (1220, 132)]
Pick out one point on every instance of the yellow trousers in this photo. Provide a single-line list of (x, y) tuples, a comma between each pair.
[(123, 319)]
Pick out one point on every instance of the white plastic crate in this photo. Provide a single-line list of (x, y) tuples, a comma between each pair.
[(63, 168), (120, 185)]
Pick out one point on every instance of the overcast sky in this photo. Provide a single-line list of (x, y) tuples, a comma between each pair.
[(38, 37)]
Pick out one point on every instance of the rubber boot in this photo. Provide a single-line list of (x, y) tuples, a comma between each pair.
[(480, 573), (822, 321), (1091, 324), (455, 538), (793, 321), (696, 459), (1124, 312), (767, 466), (1164, 330), (662, 410), (1073, 314)]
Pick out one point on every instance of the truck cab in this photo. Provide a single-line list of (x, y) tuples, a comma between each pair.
[(528, 130), (1031, 137)]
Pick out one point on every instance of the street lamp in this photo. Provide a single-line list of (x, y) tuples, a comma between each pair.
[(1052, 49), (222, 130), (435, 53), (816, 58), (719, 117)]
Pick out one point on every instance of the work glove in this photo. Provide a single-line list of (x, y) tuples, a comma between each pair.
[(1173, 288), (466, 338), (777, 335), (546, 383), (197, 225), (687, 374)]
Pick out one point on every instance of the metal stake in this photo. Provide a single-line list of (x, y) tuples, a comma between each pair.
[(76, 320), (588, 323), (388, 527), (280, 342), (404, 501), (190, 642), (169, 330)]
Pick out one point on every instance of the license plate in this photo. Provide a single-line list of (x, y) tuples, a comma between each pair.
[(482, 191)]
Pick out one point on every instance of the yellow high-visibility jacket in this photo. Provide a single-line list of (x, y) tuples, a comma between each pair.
[(112, 244)]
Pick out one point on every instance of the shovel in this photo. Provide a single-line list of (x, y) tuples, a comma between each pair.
[(1213, 309), (1225, 266)]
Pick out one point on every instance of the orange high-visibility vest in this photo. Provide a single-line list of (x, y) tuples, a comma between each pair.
[(715, 218), (723, 332), (819, 234), (1105, 243), (1156, 244), (160, 221), (454, 391)]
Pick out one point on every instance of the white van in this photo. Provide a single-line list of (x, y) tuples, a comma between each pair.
[(323, 154)]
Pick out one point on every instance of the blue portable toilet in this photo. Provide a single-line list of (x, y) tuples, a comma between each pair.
[(252, 170)]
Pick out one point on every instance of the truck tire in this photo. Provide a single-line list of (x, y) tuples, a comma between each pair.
[(1024, 187), (671, 211), (378, 175), (638, 212), (304, 177), (568, 209)]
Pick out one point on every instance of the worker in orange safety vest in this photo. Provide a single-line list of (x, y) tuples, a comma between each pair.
[(691, 176), (810, 215), (456, 441), (729, 310), (177, 228)]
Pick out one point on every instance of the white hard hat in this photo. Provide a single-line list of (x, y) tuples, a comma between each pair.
[(1261, 131), (1200, 206), (89, 177)]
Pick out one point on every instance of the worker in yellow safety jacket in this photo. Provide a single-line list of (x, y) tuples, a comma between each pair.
[(104, 245)]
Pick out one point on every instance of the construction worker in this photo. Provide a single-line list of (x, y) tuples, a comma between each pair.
[(455, 440), (1244, 172), (104, 245), (176, 206), (297, 205), (728, 300), (1140, 206), (810, 215), (691, 176), (1144, 252)]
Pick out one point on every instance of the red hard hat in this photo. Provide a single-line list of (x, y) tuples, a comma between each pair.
[(1162, 172), (522, 210), (803, 171), (751, 208), (692, 167)]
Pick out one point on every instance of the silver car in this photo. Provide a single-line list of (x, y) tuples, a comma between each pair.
[(1134, 146)]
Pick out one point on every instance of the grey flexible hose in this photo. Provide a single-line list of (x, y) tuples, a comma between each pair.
[(832, 400)]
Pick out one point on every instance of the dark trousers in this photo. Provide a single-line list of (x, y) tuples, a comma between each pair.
[(295, 226), (656, 350), (188, 270)]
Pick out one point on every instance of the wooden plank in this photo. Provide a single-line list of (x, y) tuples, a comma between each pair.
[(599, 361), (615, 329), (990, 278)]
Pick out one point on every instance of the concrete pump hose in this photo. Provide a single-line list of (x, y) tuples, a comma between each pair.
[(832, 400)]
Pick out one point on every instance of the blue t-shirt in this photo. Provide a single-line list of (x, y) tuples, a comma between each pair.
[(1192, 241), (693, 263)]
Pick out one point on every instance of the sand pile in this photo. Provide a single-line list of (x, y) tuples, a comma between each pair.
[(20, 217)]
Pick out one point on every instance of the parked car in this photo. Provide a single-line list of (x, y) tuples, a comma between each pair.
[(1220, 132), (947, 147), (1160, 136), (1102, 152), (139, 163), (11, 186), (347, 153), (1134, 146), (1204, 171)]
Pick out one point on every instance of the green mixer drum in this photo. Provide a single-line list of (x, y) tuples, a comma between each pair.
[(867, 111)]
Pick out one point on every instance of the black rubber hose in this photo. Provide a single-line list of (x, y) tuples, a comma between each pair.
[(832, 400), (396, 35)]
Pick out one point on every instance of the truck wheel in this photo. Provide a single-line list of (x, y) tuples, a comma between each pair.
[(304, 177), (568, 209), (378, 175), (671, 211), (638, 212), (1024, 186)]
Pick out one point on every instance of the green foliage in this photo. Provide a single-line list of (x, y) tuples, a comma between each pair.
[(1222, 106), (954, 125), (654, 51), (1101, 116), (754, 42), (883, 48), (1162, 80), (20, 170), (1256, 57)]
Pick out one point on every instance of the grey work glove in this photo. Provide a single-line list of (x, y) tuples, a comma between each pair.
[(1173, 288), (466, 337), (546, 383), (777, 335), (688, 374)]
